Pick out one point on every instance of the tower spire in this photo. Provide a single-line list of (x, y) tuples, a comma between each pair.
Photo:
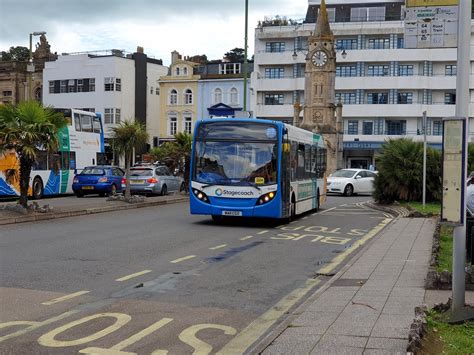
[(322, 23)]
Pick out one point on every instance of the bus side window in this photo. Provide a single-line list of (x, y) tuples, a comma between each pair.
[(77, 122), (96, 124), (300, 171), (72, 160), (86, 123)]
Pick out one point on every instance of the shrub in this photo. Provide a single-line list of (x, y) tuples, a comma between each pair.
[(400, 172)]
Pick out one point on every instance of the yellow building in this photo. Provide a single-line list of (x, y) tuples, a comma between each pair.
[(178, 98)]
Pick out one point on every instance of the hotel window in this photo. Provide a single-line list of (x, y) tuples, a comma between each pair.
[(273, 99), (80, 85), (346, 98), (109, 116), (347, 43), (396, 128), (353, 127), (188, 97), (118, 84), (117, 115), (346, 70), (157, 90), (92, 84), (450, 98), (51, 87), (400, 42), (71, 85), (63, 86), (188, 123), (363, 14), (375, 98), (273, 47), (405, 98), (151, 90), (234, 99), (367, 128), (379, 43), (378, 70), (405, 70), (173, 99), (217, 96), (450, 70), (172, 125), (109, 84), (437, 128), (274, 73), (378, 126)]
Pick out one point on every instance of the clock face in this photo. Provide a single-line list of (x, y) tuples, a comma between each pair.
[(319, 58)]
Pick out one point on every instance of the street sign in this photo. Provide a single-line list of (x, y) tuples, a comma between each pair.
[(431, 27), (418, 3), (454, 175)]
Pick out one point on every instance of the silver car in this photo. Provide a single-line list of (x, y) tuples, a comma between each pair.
[(152, 180)]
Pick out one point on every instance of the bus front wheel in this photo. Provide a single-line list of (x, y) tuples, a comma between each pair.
[(38, 188)]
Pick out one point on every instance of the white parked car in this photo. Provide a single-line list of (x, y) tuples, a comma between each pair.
[(351, 181)]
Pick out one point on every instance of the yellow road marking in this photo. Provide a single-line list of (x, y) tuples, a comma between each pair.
[(247, 237), (338, 259), (128, 277), (65, 298), (263, 232), (218, 247), (117, 349), (188, 336), (31, 325), (183, 258), (258, 327), (49, 339)]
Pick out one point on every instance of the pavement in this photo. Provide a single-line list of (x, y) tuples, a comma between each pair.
[(368, 307), (70, 206)]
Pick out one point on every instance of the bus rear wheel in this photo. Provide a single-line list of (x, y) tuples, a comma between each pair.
[(38, 188)]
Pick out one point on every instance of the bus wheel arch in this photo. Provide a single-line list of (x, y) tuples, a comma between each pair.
[(37, 188)]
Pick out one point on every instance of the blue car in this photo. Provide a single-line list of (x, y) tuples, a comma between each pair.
[(102, 179)]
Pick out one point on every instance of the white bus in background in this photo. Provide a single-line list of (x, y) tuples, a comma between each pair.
[(81, 144)]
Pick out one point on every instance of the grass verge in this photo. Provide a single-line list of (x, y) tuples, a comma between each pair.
[(430, 208), (445, 257), (454, 338)]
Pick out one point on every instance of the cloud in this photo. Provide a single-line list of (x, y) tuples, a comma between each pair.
[(192, 27)]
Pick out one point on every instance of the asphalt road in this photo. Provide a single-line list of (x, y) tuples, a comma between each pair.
[(158, 279)]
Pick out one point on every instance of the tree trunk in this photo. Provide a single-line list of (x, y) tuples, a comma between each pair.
[(25, 172), (127, 175)]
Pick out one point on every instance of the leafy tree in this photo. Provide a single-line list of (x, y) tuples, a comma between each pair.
[(16, 54), (235, 55), (126, 137), (176, 154), (27, 128), (400, 172)]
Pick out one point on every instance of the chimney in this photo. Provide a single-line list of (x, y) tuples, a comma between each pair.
[(175, 56)]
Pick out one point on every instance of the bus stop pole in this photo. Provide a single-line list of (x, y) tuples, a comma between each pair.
[(462, 110)]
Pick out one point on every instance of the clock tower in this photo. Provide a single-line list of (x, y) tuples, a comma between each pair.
[(321, 114)]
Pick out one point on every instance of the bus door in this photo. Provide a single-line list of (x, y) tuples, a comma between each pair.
[(285, 174)]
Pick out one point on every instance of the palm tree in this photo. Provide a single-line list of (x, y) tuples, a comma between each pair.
[(26, 129), (126, 137), (184, 144)]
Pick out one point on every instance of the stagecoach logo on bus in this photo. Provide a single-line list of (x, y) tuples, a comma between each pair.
[(220, 192)]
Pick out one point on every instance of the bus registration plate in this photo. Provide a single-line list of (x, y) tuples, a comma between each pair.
[(232, 213)]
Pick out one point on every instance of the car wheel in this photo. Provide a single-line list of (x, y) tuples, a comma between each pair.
[(38, 189), (348, 190), (164, 190), (113, 190), (217, 218), (182, 187), (79, 194)]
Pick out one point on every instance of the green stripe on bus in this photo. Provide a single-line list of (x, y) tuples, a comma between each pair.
[(64, 146)]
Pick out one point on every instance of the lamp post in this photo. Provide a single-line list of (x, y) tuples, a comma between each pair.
[(31, 67)]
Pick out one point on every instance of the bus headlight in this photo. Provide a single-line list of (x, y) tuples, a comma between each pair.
[(266, 198), (201, 196)]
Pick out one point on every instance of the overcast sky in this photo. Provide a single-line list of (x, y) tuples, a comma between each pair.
[(191, 27)]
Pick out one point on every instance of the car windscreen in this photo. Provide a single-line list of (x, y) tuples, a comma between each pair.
[(343, 173), (141, 172), (92, 171)]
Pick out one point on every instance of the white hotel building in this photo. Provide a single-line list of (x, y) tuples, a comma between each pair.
[(384, 87)]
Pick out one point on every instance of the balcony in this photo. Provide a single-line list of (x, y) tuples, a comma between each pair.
[(414, 82)]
